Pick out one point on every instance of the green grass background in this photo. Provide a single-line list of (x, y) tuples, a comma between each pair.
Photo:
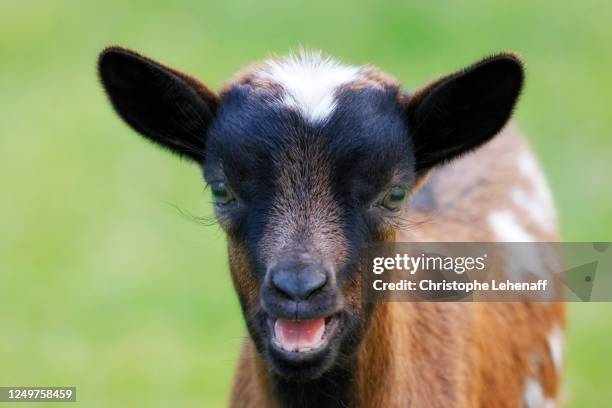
[(103, 284)]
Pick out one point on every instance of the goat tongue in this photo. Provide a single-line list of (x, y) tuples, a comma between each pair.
[(299, 335)]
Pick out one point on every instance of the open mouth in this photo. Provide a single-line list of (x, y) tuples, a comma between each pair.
[(303, 336)]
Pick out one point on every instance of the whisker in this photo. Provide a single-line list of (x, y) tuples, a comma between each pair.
[(204, 220)]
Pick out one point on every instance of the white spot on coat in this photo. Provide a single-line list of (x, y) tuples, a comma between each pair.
[(539, 201), (507, 229), (519, 259), (556, 342), (533, 396), (310, 82)]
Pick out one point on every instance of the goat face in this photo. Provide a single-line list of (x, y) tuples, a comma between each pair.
[(309, 163), (300, 206)]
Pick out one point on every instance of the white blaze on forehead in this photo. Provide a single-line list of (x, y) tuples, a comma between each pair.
[(309, 82), (556, 342)]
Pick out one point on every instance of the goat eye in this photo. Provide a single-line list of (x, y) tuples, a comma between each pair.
[(221, 193), (393, 199)]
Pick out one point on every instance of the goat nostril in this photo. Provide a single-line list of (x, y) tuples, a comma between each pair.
[(298, 285)]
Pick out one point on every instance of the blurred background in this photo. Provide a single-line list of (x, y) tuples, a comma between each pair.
[(105, 286)]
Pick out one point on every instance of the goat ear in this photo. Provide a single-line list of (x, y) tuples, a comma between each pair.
[(463, 110), (164, 105)]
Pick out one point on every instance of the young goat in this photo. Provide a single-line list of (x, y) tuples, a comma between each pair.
[(310, 162)]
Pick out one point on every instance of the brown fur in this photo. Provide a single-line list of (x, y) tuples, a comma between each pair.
[(447, 354), (242, 275), (374, 78), (248, 76), (308, 218)]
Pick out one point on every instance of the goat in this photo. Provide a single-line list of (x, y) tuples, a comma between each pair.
[(310, 162)]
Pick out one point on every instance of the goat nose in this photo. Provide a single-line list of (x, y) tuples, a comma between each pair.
[(298, 281)]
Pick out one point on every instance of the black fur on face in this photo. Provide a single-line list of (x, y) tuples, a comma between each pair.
[(314, 189), (302, 198)]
